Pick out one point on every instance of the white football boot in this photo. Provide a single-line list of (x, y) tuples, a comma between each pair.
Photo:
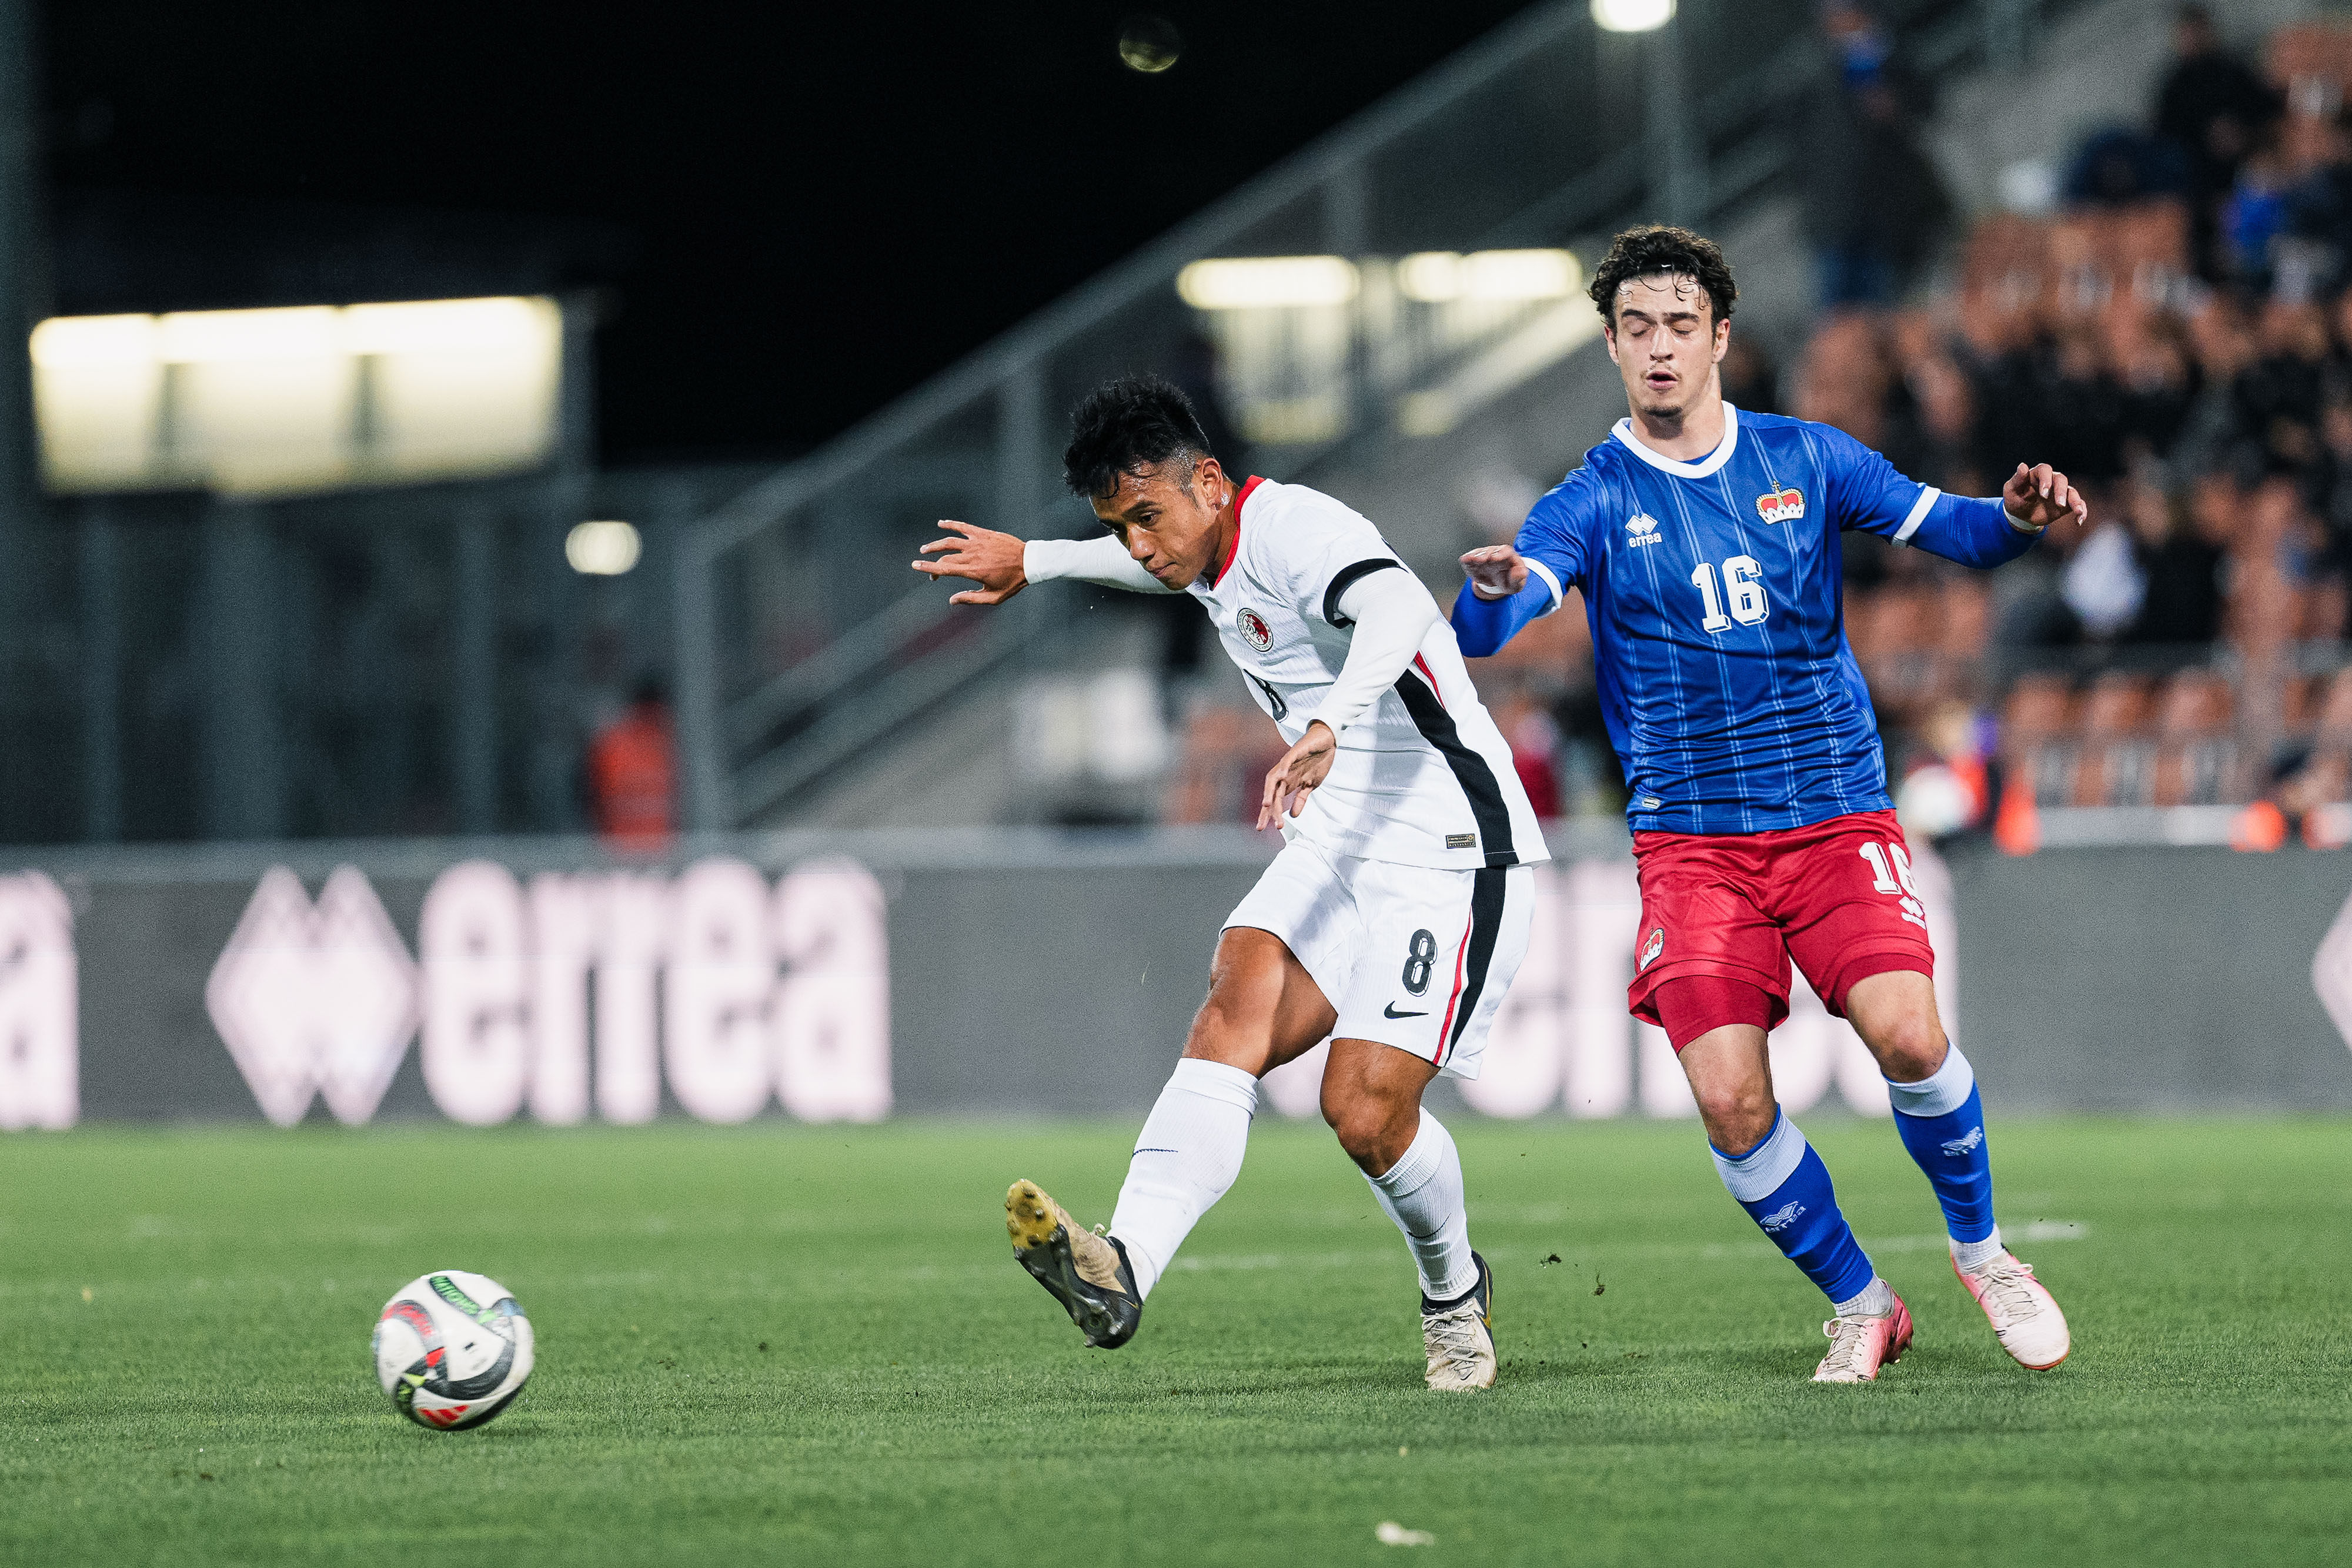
[(1860, 1345), (2024, 1315), (1458, 1336)]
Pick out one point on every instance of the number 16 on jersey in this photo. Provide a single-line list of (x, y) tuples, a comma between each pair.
[(1749, 605)]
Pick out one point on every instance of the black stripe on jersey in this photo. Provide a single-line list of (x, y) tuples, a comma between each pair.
[(1470, 769), (1346, 578), (1487, 890)]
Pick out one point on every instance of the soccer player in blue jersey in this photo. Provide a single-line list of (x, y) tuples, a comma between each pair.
[(1706, 543)]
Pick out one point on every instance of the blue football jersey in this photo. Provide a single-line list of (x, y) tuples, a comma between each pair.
[(1713, 590)]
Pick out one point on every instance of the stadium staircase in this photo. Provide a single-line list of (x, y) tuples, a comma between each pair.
[(805, 660)]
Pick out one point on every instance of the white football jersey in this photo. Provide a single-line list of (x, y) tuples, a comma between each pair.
[(1424, 778)]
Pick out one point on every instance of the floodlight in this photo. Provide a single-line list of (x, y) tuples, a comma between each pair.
[(604, 549), (1633, 15), (1265, 282), (1437, 276)]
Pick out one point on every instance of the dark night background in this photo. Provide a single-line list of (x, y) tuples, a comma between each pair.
[(795, 213)]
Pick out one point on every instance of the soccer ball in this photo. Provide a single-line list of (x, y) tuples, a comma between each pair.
[(452, 1349)]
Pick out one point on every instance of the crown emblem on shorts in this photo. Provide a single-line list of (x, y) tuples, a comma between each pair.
[(1253, 629), (1781, 506), (1644, 528)]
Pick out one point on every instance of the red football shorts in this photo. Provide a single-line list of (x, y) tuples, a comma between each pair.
[(1836, 896)]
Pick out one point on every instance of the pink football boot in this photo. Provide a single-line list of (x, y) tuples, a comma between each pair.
[(2025, 1316), (1859, 1346)]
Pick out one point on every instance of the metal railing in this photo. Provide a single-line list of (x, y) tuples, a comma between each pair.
[(797, 650)]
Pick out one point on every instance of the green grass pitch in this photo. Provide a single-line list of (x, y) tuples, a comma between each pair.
[(802, 1344)]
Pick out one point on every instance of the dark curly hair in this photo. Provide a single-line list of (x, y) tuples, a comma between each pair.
[(1121, 426), (1653, 248)]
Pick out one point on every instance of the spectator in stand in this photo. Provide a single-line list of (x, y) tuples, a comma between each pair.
[(2213, 108), (1534, 740), (2278, 397), (2319, 217), (2253, 215), (1867, 249), (633, 774), (2181, 566), (2159, 388), (2121, 165)]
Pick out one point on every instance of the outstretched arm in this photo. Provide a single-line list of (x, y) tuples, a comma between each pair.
[(1392, 612), (1503, 592), (1004, 565), (1987, 533)]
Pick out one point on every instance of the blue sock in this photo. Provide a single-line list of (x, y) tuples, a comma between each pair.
[(1941, 1120), (1785, 1188)]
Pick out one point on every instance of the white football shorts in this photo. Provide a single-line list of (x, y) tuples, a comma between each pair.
[(1409, 956)]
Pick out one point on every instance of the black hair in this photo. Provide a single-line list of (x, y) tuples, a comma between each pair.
[(1653, 248), (1123, 426)]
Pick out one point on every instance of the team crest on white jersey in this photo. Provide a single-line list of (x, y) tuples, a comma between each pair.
[(1782, 505), (1644, 528), (1253, 629)]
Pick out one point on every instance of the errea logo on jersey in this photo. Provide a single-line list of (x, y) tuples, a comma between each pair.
[(1784, 506), (1643, 528), (1253, 629)]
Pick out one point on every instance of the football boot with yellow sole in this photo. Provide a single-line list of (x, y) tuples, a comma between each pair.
[(1087, 1273)]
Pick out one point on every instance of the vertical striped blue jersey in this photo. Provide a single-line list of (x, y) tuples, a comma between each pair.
[(1718, 630)]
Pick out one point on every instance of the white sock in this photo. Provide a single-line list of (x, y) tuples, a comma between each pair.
[(1188, 1153), (1423, 1193), (1877, 1300), (1970, 1256)]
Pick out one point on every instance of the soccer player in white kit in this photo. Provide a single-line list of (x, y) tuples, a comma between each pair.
[(1397, 911)]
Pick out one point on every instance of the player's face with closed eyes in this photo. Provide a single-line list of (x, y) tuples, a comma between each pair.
[(1166, 515), (1666, 342)]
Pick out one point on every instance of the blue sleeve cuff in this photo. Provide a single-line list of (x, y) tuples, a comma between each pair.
[(1483, 625)]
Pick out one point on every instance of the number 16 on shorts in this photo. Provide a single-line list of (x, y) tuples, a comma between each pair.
[(1890, 874)]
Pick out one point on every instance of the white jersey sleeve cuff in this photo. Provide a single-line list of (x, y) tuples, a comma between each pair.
[(1928, 496)]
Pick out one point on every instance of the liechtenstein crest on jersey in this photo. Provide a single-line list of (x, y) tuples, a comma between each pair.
[(1781, 506), (1253, 629), (1643, 529)]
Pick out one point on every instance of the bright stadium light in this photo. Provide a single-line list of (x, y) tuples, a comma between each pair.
[(1633, 15), (1267, 282), (93, 343), (298, 400), (1438, 276), (605, 549)]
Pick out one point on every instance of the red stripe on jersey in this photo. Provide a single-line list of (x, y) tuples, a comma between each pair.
[(1235, 548), (1429, 675), (1445, 1030)]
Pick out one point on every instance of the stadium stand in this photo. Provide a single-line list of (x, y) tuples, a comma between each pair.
[(2188, 649)]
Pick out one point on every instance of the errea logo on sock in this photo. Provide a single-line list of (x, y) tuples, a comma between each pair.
[(1961, 1148), (1780, 1220)]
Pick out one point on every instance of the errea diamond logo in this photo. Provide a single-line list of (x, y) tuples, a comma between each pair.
[(1780, 1220), (315, 999), (1643, 528)]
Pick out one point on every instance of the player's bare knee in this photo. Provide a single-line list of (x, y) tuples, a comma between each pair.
[(1909, 1046), (1737, 1116), (1374, 1132)]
